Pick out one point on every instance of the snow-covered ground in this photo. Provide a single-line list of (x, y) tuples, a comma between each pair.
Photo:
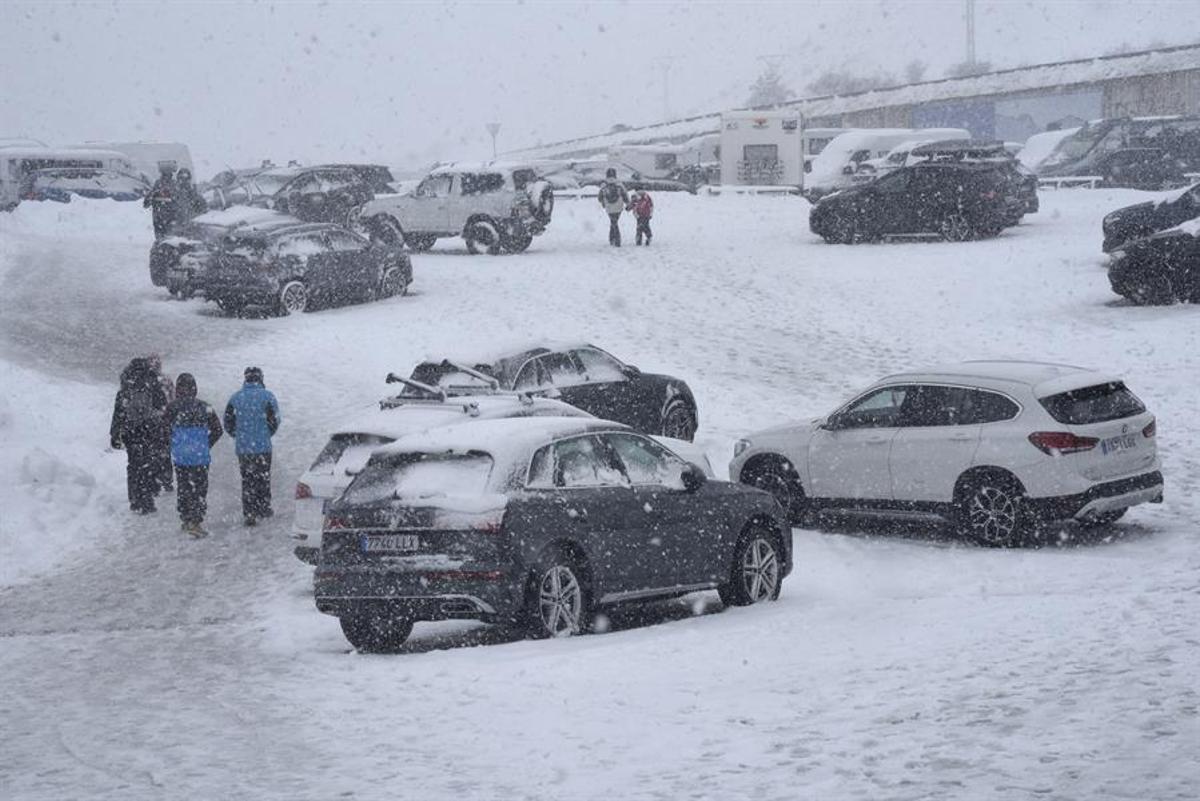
[(137, 664)]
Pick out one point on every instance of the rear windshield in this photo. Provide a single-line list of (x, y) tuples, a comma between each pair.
[(1095, 404), (416, 476), (340, 444)]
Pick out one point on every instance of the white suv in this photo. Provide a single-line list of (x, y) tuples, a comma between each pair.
[(994, 447), (495, 209)]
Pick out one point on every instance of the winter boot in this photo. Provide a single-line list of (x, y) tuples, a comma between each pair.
[(249, 520)]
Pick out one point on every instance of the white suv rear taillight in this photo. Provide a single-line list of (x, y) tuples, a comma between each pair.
[(1058, 443)]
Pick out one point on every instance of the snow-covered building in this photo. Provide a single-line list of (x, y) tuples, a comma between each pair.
[(1009, 104)]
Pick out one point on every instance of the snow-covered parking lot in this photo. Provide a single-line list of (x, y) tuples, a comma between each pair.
[(896, 665)]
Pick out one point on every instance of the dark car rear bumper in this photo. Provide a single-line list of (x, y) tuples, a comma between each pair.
[(420, 595), (1101, 498)]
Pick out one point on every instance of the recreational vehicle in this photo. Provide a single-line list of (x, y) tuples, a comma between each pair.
[(762, 148), (16, 163)]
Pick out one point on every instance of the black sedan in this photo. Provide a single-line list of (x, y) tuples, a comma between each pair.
[(300, 267), (1143, 219), (1161, 268), (585, 377), (958, 201), (537, 522)]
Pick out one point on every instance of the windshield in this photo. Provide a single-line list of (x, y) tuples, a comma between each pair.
[(269, 184), (349, 448), (418, 476), (1077, 145)]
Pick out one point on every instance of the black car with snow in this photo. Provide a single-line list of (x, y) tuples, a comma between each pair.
[(585, 377), (958, 201), (1021, 182), (299, 268), (538, 523), (1143, 219), (1160, 268), (322, 193)]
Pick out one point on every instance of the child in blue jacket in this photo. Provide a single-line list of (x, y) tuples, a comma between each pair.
[(194, 428)]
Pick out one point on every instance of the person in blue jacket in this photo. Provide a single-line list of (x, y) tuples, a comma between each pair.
[(194, 428), (252, 417)]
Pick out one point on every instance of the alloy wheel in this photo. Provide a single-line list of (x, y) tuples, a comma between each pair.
[(760, 571), (992, 515), (391, 284), (293, 298), (560, 602), (955, 228), (679, 424)]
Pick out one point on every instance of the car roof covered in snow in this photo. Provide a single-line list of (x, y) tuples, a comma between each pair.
[(1043, 378), (508, 441), (413, 415), (248, 216), (505, 364)]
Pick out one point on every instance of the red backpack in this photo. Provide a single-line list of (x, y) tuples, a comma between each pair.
[(643, 206)]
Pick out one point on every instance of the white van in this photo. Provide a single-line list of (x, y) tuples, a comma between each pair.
[(17, 162), (837, 164), (146, 156)]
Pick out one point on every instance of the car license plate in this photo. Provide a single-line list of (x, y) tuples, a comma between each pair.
[(1124, 442), (390, 543)]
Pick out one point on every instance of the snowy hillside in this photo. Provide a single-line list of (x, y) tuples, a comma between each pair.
[(896, 665)]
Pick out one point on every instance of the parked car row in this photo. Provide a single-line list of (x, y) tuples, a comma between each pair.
[(1154, 249), (458, 498)]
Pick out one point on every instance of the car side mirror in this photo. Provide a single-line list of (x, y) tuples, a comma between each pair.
[(693, 477), (831, 423)]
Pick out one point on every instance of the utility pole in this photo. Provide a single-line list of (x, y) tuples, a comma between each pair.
[(970, 10), (664, 64), (493, 128)]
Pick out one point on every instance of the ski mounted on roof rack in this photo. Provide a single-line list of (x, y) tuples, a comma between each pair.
[(471, 371), (430, 393)]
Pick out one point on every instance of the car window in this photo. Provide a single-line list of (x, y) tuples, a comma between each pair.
[(343, 241), (647, 462), (931, 405), (1095, 404), (302, 246), (420, 476), (575, 463), (329, 181), (559, 370), (480, 183), (992, 407), (528, 377), (435, 186), (879, 409), (598, 366), (304, 185), (895, 182)]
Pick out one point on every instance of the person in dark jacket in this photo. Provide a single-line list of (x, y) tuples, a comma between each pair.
[(194, 430), (642, 206), (188, 201), (137, 426), (614, 198), (161, 200), (164, 475), (252, 417)]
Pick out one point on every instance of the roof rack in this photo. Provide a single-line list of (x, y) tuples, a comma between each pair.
[(430, 393), (471, 371)]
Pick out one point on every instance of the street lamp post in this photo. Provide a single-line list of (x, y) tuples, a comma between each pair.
[(493, 128)]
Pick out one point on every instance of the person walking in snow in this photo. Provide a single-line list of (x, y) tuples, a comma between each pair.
[(642, 207), (614, 198), (252, 417), (137, 427), (164, 474), (161, 200), (194, 428), (188, 201)]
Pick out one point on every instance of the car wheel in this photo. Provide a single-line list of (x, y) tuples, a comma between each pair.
[(230, 306), (1106, 519), (384, 228), (757, 573), (679, 421), (956, 228), (293, 298), (517, 242), (374, 634), (559, 603), (782, 482), (392, 283), (482, 236), (843, 232), (420, 242), (990, 512)]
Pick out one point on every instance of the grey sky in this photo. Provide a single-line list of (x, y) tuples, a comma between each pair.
[(409, 83)]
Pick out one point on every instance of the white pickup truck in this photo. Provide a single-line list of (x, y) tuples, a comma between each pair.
[(495, 209)]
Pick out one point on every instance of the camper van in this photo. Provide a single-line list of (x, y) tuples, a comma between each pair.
[(16, 163), (762, 148), (837, 165), (662, 159), (146, 156)]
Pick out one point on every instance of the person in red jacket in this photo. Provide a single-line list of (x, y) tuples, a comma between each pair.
[(643, 208)]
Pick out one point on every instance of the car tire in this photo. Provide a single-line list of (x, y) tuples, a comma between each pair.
[(757, 571), (991, 512), (374, 634), (1106, 519), (230, 306), (292, 298), (1154, 290), (559, 601), (392, 283), (842, 232), (419, 242), (679, 421), (542, 206), (781, 481), (513, 242), (482, 236), (956, 228), (384, 228)]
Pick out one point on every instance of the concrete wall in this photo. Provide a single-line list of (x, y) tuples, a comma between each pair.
[(1170, 93)]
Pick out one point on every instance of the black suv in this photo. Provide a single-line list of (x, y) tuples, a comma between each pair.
[(300, 267), (539, 523), (1134, 152), (1160, 268), (1142, 219), (324, 193), (959, 201), (585, 377)]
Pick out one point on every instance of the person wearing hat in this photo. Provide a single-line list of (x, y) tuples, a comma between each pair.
[(188, 201), (161, 199), (614, 198), (252, 417), (194, 430)]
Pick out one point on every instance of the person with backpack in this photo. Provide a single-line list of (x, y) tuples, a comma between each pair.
[(252, 417), (614, 199), (194, 428), (642, 207), (161, 200), (137, 427), (188, 201)]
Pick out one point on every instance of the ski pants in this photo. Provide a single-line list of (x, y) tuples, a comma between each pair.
[(643, 227), (256, 484), (614, 229), (140, 469), (163, 468), (163, 219), (191, 493)]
